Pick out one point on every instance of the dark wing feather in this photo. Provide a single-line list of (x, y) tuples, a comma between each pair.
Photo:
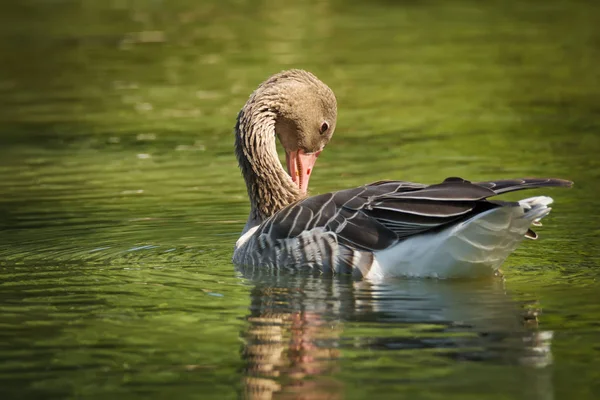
[(375, 216), (364, 232), (511, 185)]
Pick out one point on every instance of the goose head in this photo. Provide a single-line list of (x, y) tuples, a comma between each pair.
[(301, 111), (305, 120)]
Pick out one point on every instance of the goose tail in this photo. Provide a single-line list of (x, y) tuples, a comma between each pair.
[(535, 208)]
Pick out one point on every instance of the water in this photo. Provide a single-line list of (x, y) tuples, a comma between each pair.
[(121, 200)]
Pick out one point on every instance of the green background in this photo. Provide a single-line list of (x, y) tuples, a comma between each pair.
[(120, 198)]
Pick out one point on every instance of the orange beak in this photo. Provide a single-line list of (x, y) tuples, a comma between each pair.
[(300, 166)]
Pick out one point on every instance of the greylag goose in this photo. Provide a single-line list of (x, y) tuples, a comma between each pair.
[(379, 230)]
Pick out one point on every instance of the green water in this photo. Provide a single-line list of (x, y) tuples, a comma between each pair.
[(120, 198)]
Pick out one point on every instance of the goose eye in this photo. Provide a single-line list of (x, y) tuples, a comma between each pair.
[(324, 127)]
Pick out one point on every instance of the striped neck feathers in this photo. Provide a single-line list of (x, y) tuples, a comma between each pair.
[(269, 186)]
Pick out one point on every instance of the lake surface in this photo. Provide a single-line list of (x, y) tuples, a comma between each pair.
[(120, 199)]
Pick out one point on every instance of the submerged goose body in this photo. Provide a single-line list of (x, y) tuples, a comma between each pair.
[(388, 228)]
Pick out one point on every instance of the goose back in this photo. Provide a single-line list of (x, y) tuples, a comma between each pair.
[(340, 231)]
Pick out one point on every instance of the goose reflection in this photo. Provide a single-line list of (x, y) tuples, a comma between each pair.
[(301, 328)]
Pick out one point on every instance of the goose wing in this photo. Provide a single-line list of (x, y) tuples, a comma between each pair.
[(376, 216)]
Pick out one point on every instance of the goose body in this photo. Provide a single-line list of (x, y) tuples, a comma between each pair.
[(383, 229)]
